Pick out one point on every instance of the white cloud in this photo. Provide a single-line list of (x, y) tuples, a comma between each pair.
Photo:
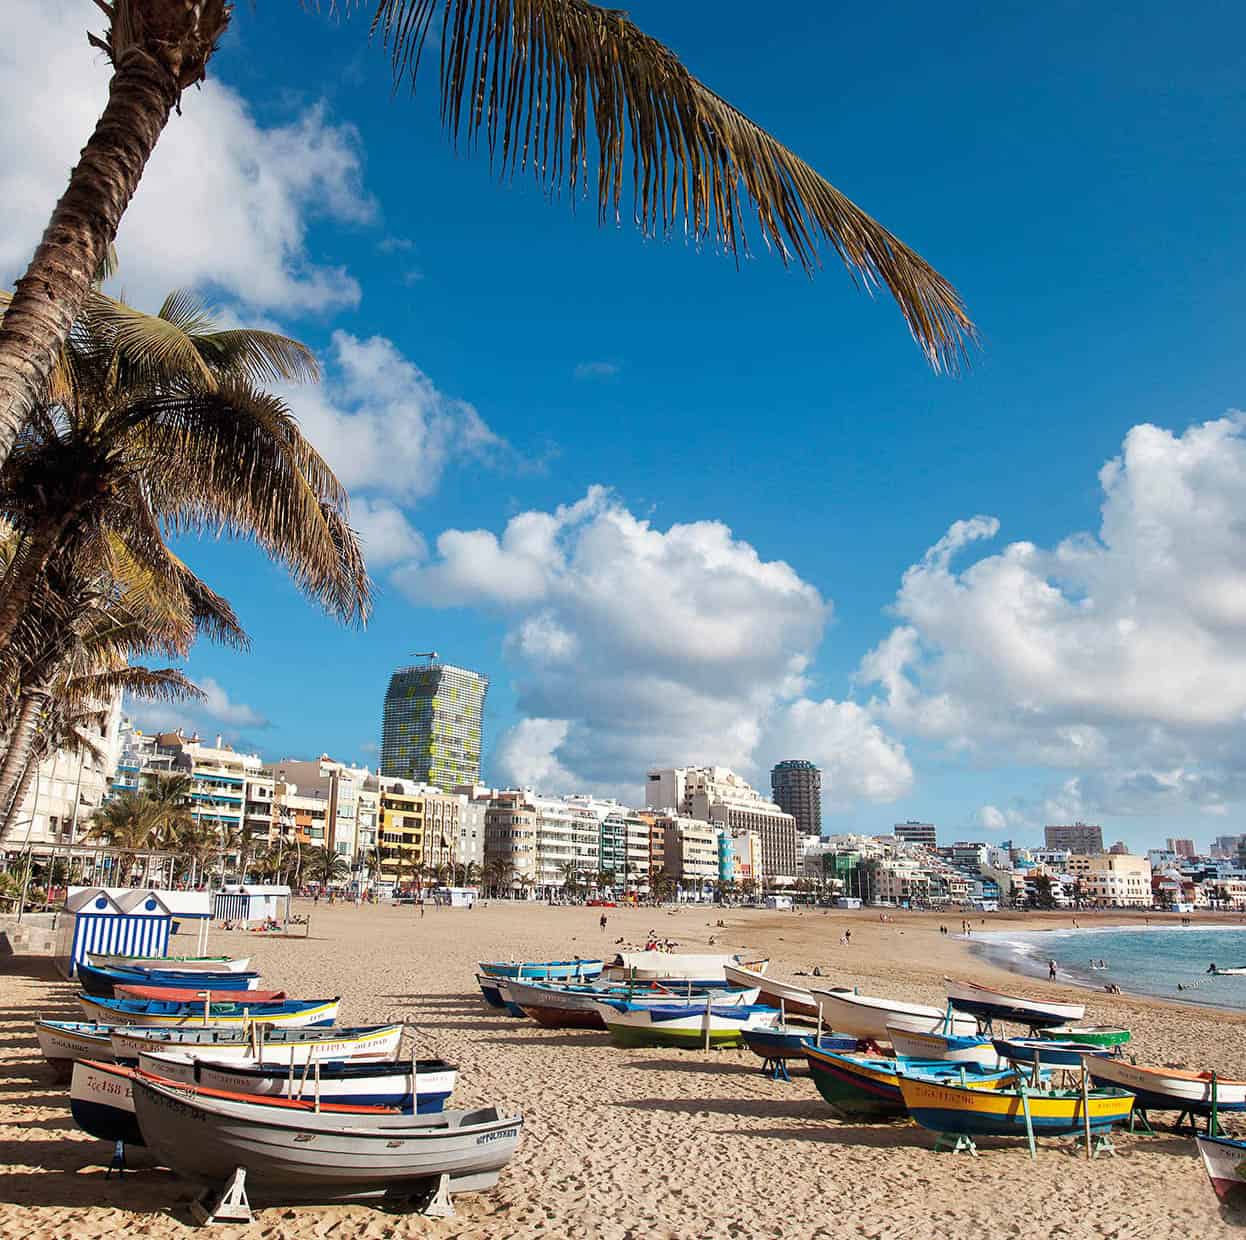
[(384, 426), (224, 201), (1119, 656), (217, 711), (596, 370), (636, 645), (386, 534), (990, 818)]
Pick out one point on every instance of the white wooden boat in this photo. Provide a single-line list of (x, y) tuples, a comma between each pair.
[(999, 1005), (182, 964), (911, 1044), (291, 1153), (670, 966), (1224, 1160), (795, 1000), (561, 1007), (62, 1042), (867, 1016), (1168, 1089), (268, 1045)]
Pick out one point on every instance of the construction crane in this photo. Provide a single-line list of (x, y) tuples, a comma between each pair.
[(430, 655)]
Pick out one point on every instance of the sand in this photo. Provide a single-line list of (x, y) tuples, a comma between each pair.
[(637, 1143)]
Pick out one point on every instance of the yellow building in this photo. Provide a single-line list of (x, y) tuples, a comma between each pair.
[(417, 826)]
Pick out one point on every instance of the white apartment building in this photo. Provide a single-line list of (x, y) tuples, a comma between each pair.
[(1113, 878), (218, 778), (689, 851)]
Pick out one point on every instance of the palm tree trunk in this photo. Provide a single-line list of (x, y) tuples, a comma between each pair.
[(22, 739), (160, 48), (19, 797)]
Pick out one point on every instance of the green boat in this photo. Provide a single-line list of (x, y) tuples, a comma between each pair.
[(724, 1024), (1091, 1035)]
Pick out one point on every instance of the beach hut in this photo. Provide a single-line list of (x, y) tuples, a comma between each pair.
[(251, 902), (455, 897), (125, 921)]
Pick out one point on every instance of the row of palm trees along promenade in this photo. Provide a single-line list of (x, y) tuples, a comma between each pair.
[(124, 428)]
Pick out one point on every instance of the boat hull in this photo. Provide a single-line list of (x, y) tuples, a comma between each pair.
[(1166, 1089), (152, 1015), (961, 1111), (564, 1017), (1050, 1054), (996, 1005), (909, 1044), (489, 990), (1091, 1035), (184, 964), (792, 1000), (62, 1043), (101, 1103), (276, 1046), (867, 1017), (1224, 1160), (790, 1044), (630, 1025), (563, 970), (316, 1157), (103, 982)]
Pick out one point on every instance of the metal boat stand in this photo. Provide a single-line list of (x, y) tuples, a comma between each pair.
[(438, 1204), (1100, 1143), (1138, 1122), (228, 1206), (776, 1070), (117, 1162), (954, 1143)]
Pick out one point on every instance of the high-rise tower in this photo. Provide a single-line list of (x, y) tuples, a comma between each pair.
[(431, 729), (797, 789)]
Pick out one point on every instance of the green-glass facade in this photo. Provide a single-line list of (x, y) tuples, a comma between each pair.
[(431, 728)]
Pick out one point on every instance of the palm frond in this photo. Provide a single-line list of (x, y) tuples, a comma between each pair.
[(543, 81), (262, 357), (165, 684)]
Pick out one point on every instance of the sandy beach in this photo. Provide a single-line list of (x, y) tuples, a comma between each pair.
[(631, 1143)]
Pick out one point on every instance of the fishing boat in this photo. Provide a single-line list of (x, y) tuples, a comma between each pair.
[(635, 1024), (948, 1107), (793, 1000), (1094, 1035), (174, 994), (489, 990), (1224, 1160), (1169, 1089), (1046, 1051), (864, 1087), (101, 1100), (788, 1042), (997, 1005), (290, 1153), (575, 1007), (102, 982), (1237, 970), (377, 1083), (61, 1042), (704, 967), (184, 964), (947, 1047), (578, 970), (293, 1013), (867, 1017), (264, 1042)]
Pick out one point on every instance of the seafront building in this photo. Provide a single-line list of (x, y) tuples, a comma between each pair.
[(431, 729), (922, 833), (796, 787), (1078, 837)]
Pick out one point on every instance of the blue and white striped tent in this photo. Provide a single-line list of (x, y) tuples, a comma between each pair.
[(251, 902), (125, 921)]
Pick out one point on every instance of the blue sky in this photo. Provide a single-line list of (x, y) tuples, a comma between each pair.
[(1075, 173)]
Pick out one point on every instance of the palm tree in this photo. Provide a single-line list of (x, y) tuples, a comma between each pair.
[(570, 871), (324, 866), (124, 823), (158, 422), (541, 81)]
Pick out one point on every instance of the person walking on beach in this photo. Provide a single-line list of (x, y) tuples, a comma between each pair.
[(603, 923), (1051, 970)]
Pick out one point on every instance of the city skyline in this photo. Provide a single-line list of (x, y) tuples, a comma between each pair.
[(742, 521)]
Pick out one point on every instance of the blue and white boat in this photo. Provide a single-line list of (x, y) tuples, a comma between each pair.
[(489, 989), (101, 982), (788, 1042), (1047, 1053), (562, 970), (385, 1083), (269, 1044), (953, 1048)]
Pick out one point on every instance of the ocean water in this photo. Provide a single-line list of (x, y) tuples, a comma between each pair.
[(1169, 962)]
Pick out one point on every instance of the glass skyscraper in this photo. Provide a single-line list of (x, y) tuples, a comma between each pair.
[(431, 729)]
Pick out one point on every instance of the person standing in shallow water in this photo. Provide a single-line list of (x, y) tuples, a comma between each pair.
[(1051, 970)]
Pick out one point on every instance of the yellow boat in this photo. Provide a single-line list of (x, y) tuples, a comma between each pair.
[(158, 1013)]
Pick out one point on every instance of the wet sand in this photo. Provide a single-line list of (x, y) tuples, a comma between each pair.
[(640, 1143)]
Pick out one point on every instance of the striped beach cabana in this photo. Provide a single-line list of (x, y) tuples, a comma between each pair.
[(251, 902), (124, 921)]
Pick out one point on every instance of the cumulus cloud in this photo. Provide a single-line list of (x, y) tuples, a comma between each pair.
[(224, 203), (217, 712), (1120, 655), (635, 645), (386, 534), (385, 427)]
